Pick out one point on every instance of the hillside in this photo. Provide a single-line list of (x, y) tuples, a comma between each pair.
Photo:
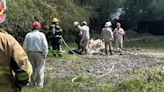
[(22, 13)]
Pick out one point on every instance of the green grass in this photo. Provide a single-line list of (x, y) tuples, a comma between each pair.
[(65, 50), (149, 43), (146, 80), (56, 85)]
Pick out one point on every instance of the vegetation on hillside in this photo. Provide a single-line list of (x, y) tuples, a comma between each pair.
[(21, 14)]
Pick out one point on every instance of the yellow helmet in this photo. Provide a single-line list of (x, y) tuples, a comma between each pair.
[(55, 20)]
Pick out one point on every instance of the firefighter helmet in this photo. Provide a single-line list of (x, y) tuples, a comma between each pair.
[(84, 23), (55, 20), (2, 12), (108, 24), (75, 23)]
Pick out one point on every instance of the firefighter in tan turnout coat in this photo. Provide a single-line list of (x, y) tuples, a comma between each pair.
[(85, 36), (13, 58), (107, 37)]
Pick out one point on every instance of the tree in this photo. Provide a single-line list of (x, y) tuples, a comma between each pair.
[(143, 10)]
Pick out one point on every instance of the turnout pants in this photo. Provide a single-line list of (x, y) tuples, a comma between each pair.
[(84, 44), (108, 45), (56, 45)]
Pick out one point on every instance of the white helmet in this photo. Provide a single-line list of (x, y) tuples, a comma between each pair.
[(108, 24), (75, 23), (84, 23)]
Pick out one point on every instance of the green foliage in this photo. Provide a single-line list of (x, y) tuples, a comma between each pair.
[(21, 14), (131, 34), (146, 42), (142, 10)]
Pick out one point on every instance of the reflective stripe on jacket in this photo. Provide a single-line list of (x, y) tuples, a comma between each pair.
[(5, 71)]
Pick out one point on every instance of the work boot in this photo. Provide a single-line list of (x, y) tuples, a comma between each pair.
[(86, 51), (121, 52), (55, 55), (110, 52), (106, 52), (60, 55), (82, 52)]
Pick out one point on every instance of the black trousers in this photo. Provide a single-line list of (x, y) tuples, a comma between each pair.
[(77, 41), (56, 42)]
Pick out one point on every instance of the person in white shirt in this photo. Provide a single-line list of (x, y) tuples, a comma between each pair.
[(107, 37), (118, 36), (36, 47)]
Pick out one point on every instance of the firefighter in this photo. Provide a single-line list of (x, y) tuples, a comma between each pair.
[(107, 37), (56, 37), (36, 46), (118, 37), (15, 68), (85, 37), (78, 35)]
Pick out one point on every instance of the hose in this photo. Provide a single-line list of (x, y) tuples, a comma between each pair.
[(68, 46)]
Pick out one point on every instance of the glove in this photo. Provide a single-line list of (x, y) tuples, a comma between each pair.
[(19, 83)]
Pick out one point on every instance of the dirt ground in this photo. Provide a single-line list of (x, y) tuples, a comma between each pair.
[(101, 68)]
